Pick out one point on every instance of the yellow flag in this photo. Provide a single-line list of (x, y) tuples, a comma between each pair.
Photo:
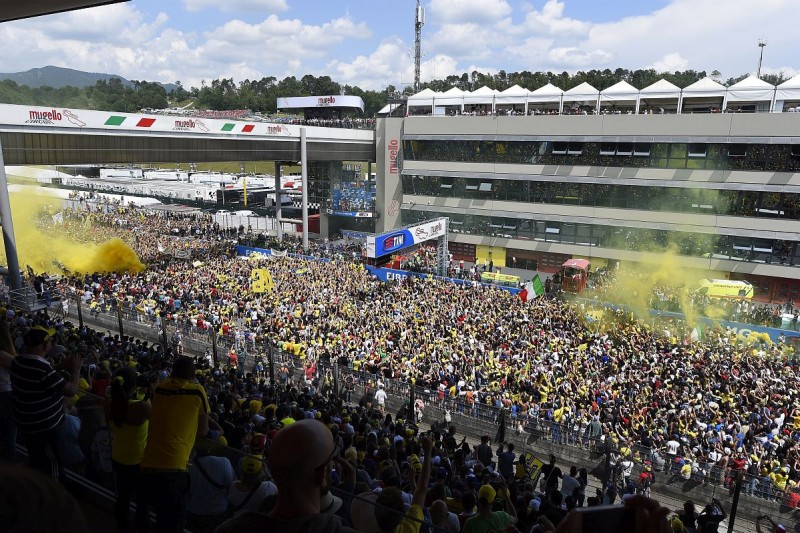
[(261, 280)]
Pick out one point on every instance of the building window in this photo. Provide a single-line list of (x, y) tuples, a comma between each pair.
[(575, 148), (697, 150), (737, 150), (641, 150), (625, 149), (608, 148)]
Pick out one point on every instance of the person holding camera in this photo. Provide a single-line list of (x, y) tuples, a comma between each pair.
[(708, 521)]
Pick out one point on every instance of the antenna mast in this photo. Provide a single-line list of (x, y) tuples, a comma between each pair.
[(419, 21), (761, 44)]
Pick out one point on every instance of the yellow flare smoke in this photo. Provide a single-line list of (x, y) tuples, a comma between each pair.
[(39, 250)]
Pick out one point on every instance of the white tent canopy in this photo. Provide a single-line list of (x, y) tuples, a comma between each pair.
[(453, 97), (661, 89), (788, 92), (750, 89), (659, 96), (422, 99), (512, 95), (583, 94), (548, 93), (622, 91), (704, 87), (702, 96), (483, 95)]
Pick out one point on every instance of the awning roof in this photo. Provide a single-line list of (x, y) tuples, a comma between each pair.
[(704, 87), (789, 90), (661, 89), (622, 91), (548, 93), (15, 10), (512, 95), (751, 89), (582, 93)]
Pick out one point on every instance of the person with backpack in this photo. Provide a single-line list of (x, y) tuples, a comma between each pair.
[(646, 480)]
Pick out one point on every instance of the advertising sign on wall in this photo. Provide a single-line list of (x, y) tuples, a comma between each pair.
[(394, 241)]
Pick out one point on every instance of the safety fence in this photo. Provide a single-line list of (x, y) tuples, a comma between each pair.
[(358, 386)]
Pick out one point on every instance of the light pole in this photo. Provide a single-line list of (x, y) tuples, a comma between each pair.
[(761, 44)]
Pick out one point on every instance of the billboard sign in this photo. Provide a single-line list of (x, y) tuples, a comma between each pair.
[(394, 241)]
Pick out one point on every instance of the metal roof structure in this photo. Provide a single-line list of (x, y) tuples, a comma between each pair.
[(15, 10)]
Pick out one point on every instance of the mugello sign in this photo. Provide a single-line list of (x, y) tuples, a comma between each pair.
[(22, 116)]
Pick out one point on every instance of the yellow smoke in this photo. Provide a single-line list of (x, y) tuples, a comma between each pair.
[(661, 270), (41, 251)]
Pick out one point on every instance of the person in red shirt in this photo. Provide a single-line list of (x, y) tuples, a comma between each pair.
[(233, 359)]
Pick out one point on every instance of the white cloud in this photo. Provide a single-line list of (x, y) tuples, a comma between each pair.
[(388, 64), (670, 63), (236, 5), (710, 37), (577, 58), (477, 11), (551, 20)]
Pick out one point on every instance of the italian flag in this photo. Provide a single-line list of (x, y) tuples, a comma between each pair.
[(533, 289)]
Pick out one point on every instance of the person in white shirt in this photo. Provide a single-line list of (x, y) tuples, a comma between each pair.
[(251, 490), (380, 397)]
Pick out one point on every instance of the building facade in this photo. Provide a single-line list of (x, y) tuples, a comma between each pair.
[(719, 190)]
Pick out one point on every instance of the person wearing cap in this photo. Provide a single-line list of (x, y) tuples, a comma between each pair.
[(487, 520), (38, 398)]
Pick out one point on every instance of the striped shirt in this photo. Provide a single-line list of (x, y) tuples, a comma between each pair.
[(37, 393)]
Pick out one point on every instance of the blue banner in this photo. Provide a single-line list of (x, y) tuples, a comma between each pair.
[(390, 274)]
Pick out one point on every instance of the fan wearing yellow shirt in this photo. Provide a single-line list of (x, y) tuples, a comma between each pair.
[(179, 416)]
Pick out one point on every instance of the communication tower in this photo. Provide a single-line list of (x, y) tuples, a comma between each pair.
[(419, 21)]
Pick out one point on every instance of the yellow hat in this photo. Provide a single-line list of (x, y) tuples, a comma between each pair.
[(487, 494), (252, 465)]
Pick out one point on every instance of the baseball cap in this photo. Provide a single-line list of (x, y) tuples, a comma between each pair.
[(251, 465), (37, 335), (487, 494)]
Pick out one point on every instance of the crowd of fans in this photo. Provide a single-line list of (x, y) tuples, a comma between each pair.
[(710, 406)]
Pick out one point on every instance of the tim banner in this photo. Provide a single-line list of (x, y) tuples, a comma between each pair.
[(394, 241)]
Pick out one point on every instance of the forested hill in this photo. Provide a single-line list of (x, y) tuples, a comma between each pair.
[(116, 94)]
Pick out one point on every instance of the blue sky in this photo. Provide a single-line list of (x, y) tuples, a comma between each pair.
[(367, 42)]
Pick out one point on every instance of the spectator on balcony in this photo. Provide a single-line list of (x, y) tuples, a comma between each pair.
[(179, 416)]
